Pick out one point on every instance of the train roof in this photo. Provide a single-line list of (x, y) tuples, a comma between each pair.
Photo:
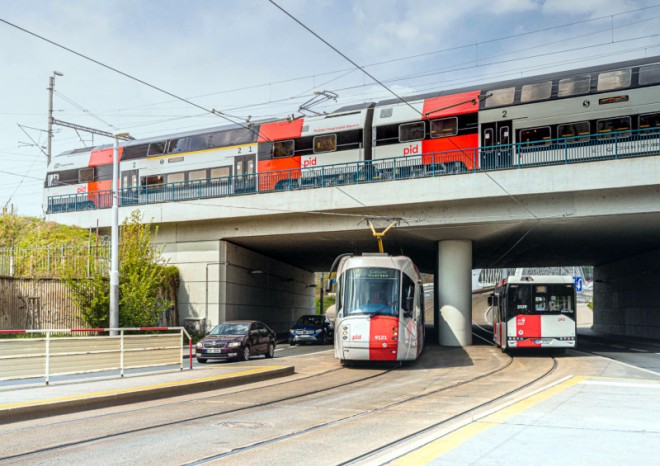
[(525, 80)]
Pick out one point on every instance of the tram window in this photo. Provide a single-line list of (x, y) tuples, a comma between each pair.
[(573, 130), (53, 179), (575, 85), (327, 143), (501, 97), (220, 172), (649, 74), (531, 135), (176, 177), (197, 175), (444, 127), (614, 80), (613, 125), (536, 91), (156, 148), (408, 295), (86, 175), (283, 148), (649, 121), (178, 145), (411, 131)]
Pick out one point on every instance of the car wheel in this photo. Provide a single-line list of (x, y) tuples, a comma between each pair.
[(246, 354), (201, 360), (292, 343), (270, 352)]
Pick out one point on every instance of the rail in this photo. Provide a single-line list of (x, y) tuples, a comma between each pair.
[(23, 358), (578, 149)]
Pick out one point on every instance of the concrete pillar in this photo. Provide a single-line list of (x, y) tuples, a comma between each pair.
[(454, 292)]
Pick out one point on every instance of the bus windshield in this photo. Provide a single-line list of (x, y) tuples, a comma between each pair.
[(371, 290), (534, 298)]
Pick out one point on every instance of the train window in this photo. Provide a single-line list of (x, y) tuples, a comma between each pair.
[(386, 112), (489, 134), (53, 179), (86, 175), (540, 134), (220, 172), (197, 175), (104, 172), (649, 121), (499, 97), (135, 152), (283, 148), (327, 143), (573, 130), (153, 179), (156, 148), (411, 131), (613, 125), (614, 80), (444, 127), (199, 142), (175, 146), (536, 91), (176, 177), (575, 85), (649, 74)]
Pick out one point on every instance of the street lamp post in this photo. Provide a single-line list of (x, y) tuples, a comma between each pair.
[(114, 253)]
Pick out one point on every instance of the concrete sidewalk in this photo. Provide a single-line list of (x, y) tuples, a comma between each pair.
[(24, 402)]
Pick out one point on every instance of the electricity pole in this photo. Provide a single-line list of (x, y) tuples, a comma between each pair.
[(51, 88)]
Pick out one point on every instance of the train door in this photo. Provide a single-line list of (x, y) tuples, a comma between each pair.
[(128, 188), (496, 145), (245, 168)]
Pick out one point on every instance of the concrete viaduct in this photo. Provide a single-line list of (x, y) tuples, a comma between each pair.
[(253, 256)]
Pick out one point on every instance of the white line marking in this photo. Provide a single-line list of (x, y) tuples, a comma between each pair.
[(655, 385)]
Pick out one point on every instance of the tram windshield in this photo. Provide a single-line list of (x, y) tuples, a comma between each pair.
[(530, 299), (371, 290)]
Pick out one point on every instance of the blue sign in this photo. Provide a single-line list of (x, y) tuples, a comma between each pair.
[(578, 283)]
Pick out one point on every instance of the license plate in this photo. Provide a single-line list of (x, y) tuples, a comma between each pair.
[(213, 350)]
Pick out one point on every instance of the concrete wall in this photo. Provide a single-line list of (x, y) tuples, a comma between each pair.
[(627, 296), (222, 281)]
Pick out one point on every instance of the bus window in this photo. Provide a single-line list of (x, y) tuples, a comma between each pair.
[(520, 299), (554, 298)]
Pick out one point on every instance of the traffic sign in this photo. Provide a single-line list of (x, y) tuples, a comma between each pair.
[(578, 283)]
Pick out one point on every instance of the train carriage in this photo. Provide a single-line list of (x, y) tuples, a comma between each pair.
[(380, 309)]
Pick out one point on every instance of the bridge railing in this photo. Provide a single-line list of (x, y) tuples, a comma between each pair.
[(582, 148)]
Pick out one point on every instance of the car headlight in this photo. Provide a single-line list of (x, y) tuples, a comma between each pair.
[(200, 345), (318, 330), (234, 344)]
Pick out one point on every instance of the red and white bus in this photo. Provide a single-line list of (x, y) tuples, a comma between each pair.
[(534, 312)]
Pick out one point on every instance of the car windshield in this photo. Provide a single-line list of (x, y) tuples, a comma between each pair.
[(371, 290), (230, 329), (310, 321)]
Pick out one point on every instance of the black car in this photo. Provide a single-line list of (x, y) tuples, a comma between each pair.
[(238, 339), (312, 329)]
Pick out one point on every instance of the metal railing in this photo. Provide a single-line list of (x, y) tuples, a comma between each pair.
[(583, 148), (24, 358)]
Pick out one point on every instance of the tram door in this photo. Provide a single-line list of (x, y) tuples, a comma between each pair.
[(128, 189), (245, 168), (496, 143)]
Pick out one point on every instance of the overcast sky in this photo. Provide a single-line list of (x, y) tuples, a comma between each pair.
[(247, 58)]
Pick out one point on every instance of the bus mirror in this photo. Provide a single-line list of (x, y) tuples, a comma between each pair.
[(328, 285)]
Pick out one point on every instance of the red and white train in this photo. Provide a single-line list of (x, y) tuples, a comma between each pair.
[(380, 309), (540, 119)]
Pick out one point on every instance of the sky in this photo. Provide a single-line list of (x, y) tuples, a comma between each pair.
[(138, 66)]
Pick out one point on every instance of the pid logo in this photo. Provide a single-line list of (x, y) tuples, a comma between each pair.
[(411, 149), (309, 162)]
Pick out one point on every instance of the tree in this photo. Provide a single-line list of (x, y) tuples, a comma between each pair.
[(143, 279)]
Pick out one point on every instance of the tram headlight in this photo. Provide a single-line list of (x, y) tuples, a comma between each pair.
[(395, 333)]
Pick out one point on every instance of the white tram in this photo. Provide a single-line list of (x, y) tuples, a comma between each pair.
[(380, 309), (534, 312)]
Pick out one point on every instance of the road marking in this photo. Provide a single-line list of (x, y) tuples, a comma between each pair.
[(649, 384)]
